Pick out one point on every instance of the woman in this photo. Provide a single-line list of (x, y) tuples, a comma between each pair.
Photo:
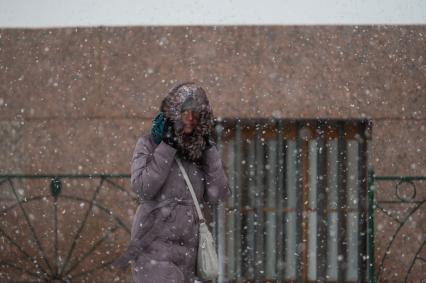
[(164, 235)]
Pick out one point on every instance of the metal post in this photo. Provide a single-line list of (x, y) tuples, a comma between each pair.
[(370, 228)]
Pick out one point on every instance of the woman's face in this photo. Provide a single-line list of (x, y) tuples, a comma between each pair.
[(189, 120)]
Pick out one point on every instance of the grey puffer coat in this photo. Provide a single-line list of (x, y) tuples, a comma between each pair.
[(165, 227)]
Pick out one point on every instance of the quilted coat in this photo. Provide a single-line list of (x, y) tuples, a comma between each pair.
[(164, 235)]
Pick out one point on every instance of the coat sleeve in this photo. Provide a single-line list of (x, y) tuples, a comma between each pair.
[(150, 166), (216, 181)]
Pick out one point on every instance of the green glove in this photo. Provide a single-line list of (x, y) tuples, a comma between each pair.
[(157, 128)]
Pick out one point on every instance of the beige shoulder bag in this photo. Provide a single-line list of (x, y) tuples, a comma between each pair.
[(207, 262)]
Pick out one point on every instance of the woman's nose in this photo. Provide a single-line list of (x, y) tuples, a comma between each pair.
[(190, 116), (187, 115)]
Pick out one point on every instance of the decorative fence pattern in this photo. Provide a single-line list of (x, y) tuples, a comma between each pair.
[(397, 228), (63, 228)]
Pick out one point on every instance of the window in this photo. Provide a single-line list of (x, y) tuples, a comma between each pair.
[(298, 206)]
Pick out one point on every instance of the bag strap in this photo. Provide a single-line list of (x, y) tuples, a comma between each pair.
[(191, 189)]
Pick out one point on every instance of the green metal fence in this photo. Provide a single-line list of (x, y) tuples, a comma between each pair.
[(400, 204), (63, 228), (396, 199)]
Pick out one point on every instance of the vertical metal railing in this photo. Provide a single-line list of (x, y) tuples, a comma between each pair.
[(291, 179), (370, 229)]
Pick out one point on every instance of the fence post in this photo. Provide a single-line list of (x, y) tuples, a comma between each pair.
[(370, 228)]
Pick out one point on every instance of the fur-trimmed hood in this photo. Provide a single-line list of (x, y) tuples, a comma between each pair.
[(189, 96)]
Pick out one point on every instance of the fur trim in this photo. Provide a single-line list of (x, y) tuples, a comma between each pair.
[(190, 146)]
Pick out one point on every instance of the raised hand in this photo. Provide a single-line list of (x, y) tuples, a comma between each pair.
[(169, 133)]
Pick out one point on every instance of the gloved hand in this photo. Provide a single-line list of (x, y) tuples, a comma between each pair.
[(169, 133), (157, 128), (209, 142)]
